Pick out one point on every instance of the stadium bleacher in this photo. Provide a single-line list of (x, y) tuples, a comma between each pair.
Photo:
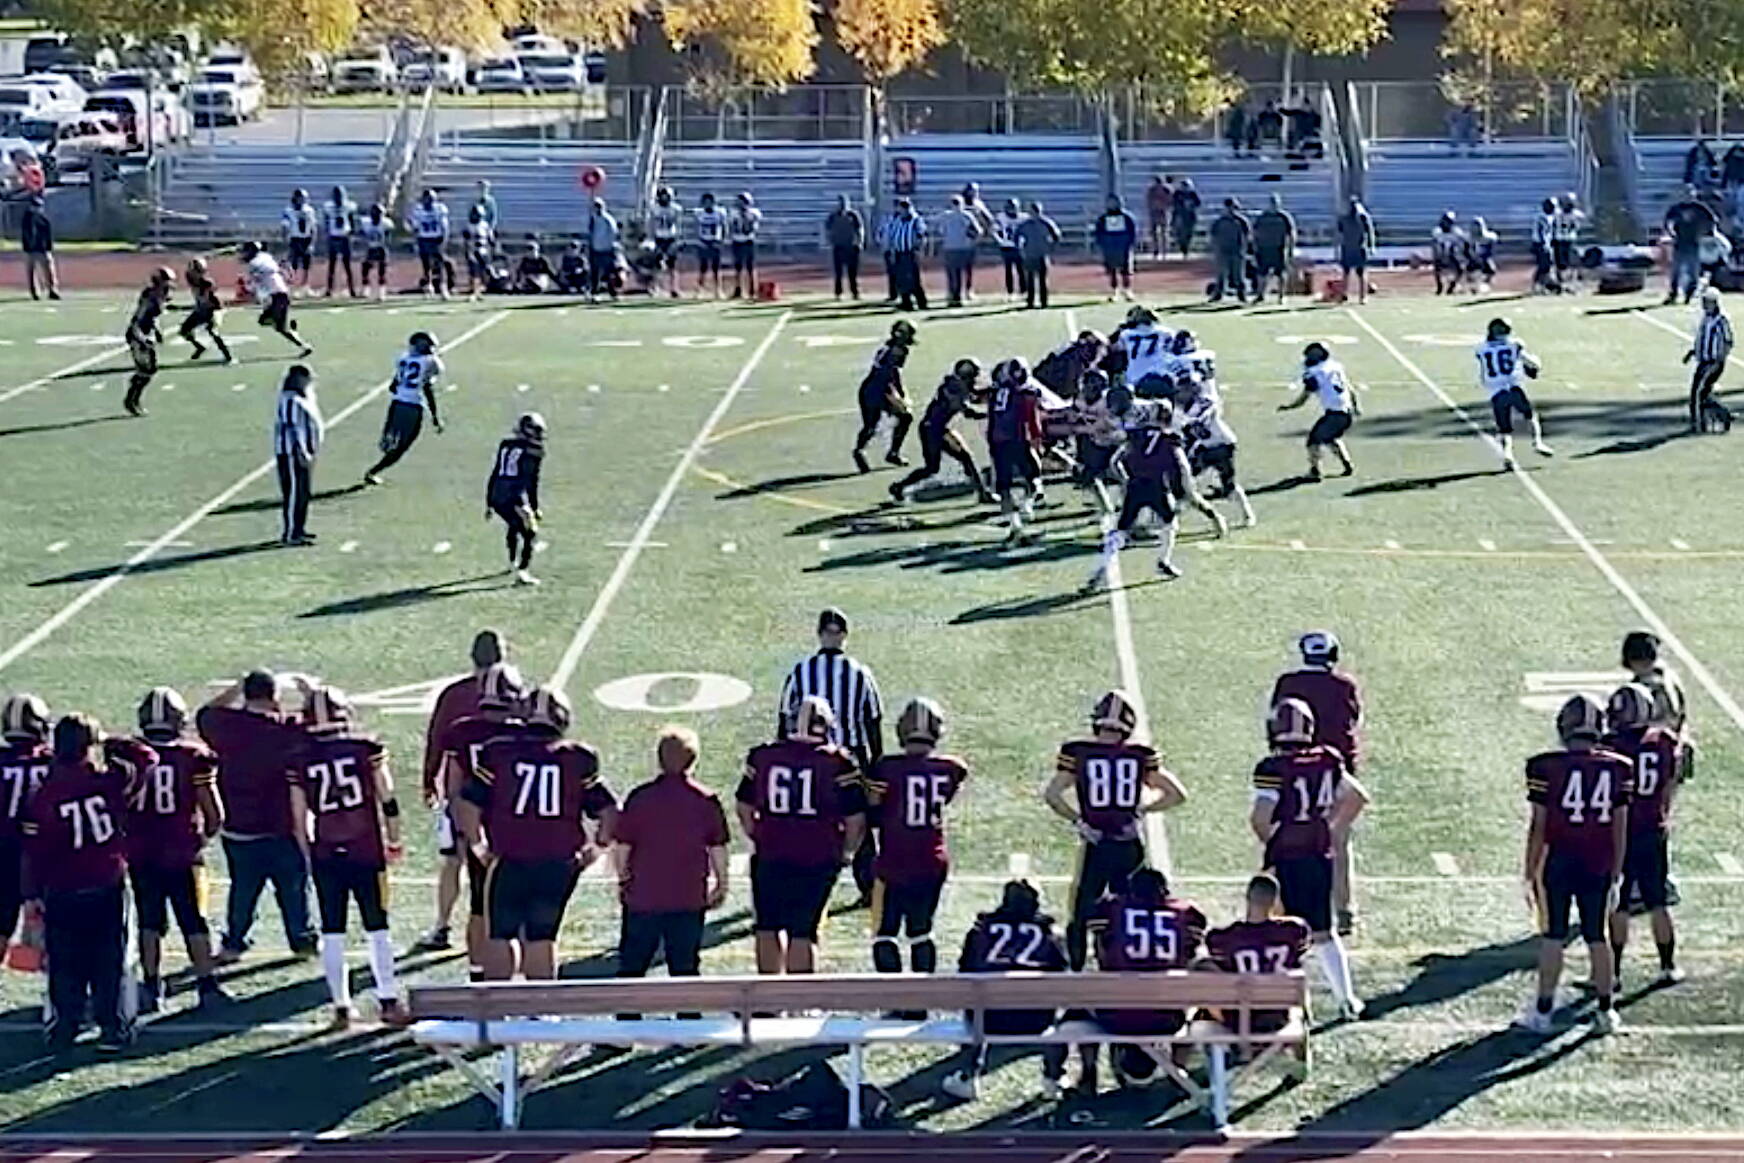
[(1410, 183), (537, 183), (1063, 173), (227, 192), (794, 183), (1309, 185)]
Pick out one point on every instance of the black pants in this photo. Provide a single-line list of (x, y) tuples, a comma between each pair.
[(890, 275), (1035, 281), (905, 269), (521, 531), (846, 261), (646, 934), (958, 280), (253, 863), (85, 934), (197, 320), (339, 255), (1015, 280), (1702, 385), (1231, 272), (934, 447), (1185, 224), (433, 265), (600, 265), (296, 481)]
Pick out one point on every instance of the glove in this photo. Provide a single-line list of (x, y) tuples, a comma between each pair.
[(1531, 372)]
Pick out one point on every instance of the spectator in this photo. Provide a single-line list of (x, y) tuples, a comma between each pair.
[(1037, 236), (671, 858), (958, 230), (1005, 233), (36, 238), (1356, 242), (480, 243), (572, 276), (1302, 128), (1274, 243), (486, 204), (602, 248), (973, 203), (1698, 165), (1268, 125), (1116, 236), (904, 233), (1689, 222), (1231, 234), (1462, 128), (1732, 167), (846, 232), (1235, 127), (1159, 200), (534, 274), (1185, 216)]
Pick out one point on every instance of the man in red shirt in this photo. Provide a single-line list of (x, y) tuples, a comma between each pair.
[(671, 856), (457, 700), (1658, 756), (1336, 701), (24, 764)]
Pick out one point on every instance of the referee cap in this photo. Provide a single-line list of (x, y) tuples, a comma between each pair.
[(831, 618)]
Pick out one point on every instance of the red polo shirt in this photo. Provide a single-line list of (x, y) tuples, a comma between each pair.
[(669, 824)]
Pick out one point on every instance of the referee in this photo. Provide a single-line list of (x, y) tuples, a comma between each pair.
[(905, 232), (1713, 346), (848, 686), (297, 432)]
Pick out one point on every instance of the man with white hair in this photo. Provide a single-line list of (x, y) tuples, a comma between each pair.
[(1710, 350)]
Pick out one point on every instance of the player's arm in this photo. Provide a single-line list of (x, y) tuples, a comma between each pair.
[(853, 834), (1351, 801), (1171, 792), (209, 805), (230, 696), (430, 394), (390, 806), (1355, 399), (1262, 815), (745, 804), (1535, 842), (300, 817), (1058, 792), (1307, 393), (468, 798)]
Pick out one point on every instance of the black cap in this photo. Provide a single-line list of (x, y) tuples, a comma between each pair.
[(832, 619)]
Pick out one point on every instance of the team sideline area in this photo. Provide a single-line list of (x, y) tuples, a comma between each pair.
[(700, 506)]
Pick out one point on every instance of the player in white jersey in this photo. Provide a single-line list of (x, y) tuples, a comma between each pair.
[(1189, 363), (1148, 348), (375, 230), (742, 225), (1211, 441), (430, 229), (665, 223), (711, 232), (1504, 366), (1324, 379), (267, 284), (339, 217), (297, 224), (414, 389)]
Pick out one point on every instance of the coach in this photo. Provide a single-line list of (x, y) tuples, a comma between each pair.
[(297, 432), (850, 689)]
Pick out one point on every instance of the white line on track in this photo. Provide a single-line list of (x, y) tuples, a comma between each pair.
[(1703, 676), (181, 529), (645, 531), (51, 377)]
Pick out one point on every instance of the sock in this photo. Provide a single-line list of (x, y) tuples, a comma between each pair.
[(381, 966), (513, 539), (1112, 543), (1335, 967), (923, 955), (333, 967), (1617, 958), (1507, 448), (1167, 549), (526, 551), (1667, 953), (886, 958), (1606, 1001)]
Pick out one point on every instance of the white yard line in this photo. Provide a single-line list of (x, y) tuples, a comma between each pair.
[(1697, 669), (644, 534), (51, 377), (181, 529)]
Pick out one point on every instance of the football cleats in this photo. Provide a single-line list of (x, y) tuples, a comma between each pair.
[(1315, 354), (814, 720), (549, 707), (164, 712), (422, 342), (967, 370), (327, 709), (24, 718), (1318, 647), (1291, 721), (1183, 343), (1115, 712), (1499, 329), (1580, 718), (922, 721), (531, 426), (902, 331), (1630, 705), (500, 687)]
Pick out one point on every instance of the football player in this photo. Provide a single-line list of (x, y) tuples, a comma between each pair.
[(143, 335), (1211, 442), (1015, 937), (1450, 251), (1147, 347), (348, 825), (1504, 365), (297, 228), (1324, 378), (907, 794), (938, 441), (525, 813), (1062, 369), (1670, 704), (1099, 788), (711, 233), (1156, 477), (24, 763), (802, 805), (414, 389), (376, 230), (1102, 410), (1141, 928), (512, 492), (1263, 941), (1574, 853), (205, 313), (429, 221), (1014, 430), (267, 284), (1657, 757), (1304, 799), (173, 814), (665, 223), (1189, 363), (501, 692), (339, 215), (882, 394)]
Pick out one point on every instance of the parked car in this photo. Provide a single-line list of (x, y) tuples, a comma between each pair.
[(64, 89), (19, 100), (80, 142), (370, 71), (229, 56), (538, 43), (87, 77), (231, 95), (501, 75), (317, 73), (172, 120), (552, 72), (443, 66)]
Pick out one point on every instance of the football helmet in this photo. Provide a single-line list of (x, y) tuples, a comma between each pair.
[(1499, 329), (966, 369), (422, 342), (163, 712), (1148, 884), (1580, 718), (664, 195), (1184, 343), (1016, 370), (1092, 385), (531, 426), (1291, 721), (1137, 316), (1318, 647), (249, 251), (902, 331), (549, 707), (1630, 705), (1115, 712), (24, 718), (814, 720), (327, 709), (1091, 339), (501, 687), (163, 276), (1315, 354), (1119, 399), (921, 721), (196, 267)]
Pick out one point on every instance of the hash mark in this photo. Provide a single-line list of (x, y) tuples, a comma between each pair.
[(729, 547), (1445, 863), (238, 387), (523, 387), (57, 546), (824, 545), (442, 547), (1729, 864), (663, 388), (1485, 544), (348, 547), (1679, 543), (98, 386), (594, 388), (166, 387), (1298, 545), (1393, 545), (805, 387)]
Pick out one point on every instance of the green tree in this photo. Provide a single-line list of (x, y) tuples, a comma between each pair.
[(1316, 27), (888, 37), (468, 24), (1589, 44)]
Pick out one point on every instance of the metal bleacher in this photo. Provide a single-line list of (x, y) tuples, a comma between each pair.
[(1063, 173), (1411, 183), (537, 183), (794, 183), (226, 192), (1309, 186)]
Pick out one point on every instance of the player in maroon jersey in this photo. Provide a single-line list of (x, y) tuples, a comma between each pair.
[(1142, 929), (339, 781), (1157, 478), (1657, 755), (500, 693), (1336, 701), (1263, 941), (24, 764), (1099, 788), (1304, 799), (907, 793), (173, 813), (525, 813), (1015, 937), (1574, 852), (802, 805)]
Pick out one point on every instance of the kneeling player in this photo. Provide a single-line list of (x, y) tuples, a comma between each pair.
[(801, 804), (1015, 937), (1099, 788), (1304, 799), (1156, 477), (414, 389), (1263, 941), (340, 778), (938, 441), (1141, 929), (1574, 853), (1323, 377), (1504, 365), (1657, 756), (882, 394), (205, 313), (143, 336), (512, 492)]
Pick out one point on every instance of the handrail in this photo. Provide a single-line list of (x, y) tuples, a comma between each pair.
[(1357, 143), (1109, 124), (651, 148), (417, 156)]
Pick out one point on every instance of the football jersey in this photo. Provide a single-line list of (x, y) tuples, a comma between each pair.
[(950, 401), (885, 374), (1585, 796), (1103, 428), (1147, 351), (1302, 785), (1567, 225), (1329, 385), (205, 293), (1153, 456), (73, 825), (374, 233), (163, 827), (264, 277), (1199, 364), (430, 222), (1543, 228), (1005, 229), (146, 313), (1276, 945), (1203, 420), (803, 793), (998, 943), (711, 225), (909, 793), (298, 221), (1337, 705), (515, 473), (664, 221), (1502, 365), (23, 767), (1654, 753), (1447, 245), (465, 739), (744, 222), (413, 375), (1109, 780), (339, 218), (535, 792), (341, 779), (480, 237), (1134, 935), (1009, 411)]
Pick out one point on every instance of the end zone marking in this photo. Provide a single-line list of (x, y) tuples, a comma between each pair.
[(1729, 864), (1445, 863)]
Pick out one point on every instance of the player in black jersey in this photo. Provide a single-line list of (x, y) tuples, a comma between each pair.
[(205, 313), (513, 491), (882, 394), (143, 336), (937, 441)]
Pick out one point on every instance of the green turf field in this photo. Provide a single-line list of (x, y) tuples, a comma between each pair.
[(701, 507)]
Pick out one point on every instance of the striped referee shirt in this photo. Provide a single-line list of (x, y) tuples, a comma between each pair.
[(297, 429), (1714, 338), (849, 688), (904, 235)]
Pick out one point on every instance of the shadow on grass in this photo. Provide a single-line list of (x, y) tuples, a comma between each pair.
[(159, 564), (61, 425), (410, 596)]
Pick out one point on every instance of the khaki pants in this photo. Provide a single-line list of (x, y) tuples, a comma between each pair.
[(40, 266)]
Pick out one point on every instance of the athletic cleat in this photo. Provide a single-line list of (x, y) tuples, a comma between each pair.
[(895, 492), (961, 1085), (341, 1019), (371, 479), (226, 956), (1509, 464), (306, 352), (1670, 975), (860, 461), (1543, 449), (896, 459), (1094, 582), (150, 997), (525, 578), (1167, 571), (1352, 1010), (435, 941), (1607, 1021), (1346, 922), (198, 352), (394, 1014), (1534, 1019), (211, 994)]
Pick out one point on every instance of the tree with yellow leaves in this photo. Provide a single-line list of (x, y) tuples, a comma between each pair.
[(469, 24), (731, 43), (605, 23), (887, 37), (1316, 27), (1589, 44)]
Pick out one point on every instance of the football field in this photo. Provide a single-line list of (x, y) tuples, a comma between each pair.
[(701, 507)]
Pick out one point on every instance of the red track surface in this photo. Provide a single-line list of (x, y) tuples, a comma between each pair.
[(1041, 1147)]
